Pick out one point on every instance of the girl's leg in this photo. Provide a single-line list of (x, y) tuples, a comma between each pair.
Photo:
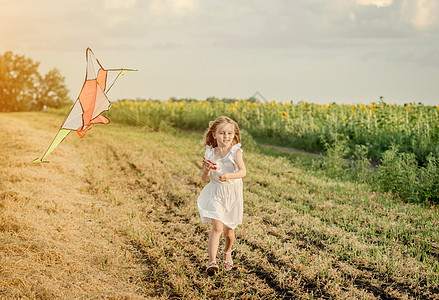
[(230, 238), (217, 228)]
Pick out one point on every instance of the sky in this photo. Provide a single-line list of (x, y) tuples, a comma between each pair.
[(319, 51)]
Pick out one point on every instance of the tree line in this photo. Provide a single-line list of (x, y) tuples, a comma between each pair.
[(23, 88)]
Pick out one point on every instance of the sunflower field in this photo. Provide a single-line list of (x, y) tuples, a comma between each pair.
[(412, 128)]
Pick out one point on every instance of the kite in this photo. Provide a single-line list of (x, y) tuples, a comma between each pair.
[(211, 164), (91, 103)]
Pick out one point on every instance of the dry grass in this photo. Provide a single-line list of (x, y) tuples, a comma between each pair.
[(51, 244), (114, 216)]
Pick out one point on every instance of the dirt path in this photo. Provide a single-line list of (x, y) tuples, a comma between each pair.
[(281, 148)]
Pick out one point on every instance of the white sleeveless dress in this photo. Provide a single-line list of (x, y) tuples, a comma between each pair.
[(219, 200)]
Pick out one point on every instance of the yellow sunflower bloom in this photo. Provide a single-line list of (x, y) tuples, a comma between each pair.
[(284, 114)]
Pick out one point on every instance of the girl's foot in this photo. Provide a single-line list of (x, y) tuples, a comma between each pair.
[(227, 264), (212, 268)]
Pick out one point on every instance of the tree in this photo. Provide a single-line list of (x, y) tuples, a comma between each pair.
[(23, 88), (18, 77), (52, 91)]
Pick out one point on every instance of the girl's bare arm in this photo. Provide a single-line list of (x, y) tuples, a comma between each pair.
[(206, 172), (241, 166)]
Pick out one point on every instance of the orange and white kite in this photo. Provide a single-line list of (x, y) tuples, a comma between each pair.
[(91, 103)]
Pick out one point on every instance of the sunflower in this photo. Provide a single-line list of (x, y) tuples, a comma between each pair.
[(284, 114)]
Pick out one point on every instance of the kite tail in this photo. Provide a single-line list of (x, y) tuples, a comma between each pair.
[(58, 139)]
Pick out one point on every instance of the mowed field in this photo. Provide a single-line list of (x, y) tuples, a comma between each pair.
[(114, 215)]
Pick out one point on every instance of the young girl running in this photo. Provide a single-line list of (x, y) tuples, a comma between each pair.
[(221, 201)]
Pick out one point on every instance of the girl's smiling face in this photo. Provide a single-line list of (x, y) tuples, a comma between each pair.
[(224, 134)]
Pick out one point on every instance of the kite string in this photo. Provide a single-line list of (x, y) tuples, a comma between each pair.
[(136, 119)]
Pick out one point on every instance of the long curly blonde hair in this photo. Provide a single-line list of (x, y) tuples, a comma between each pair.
[(213, 125)]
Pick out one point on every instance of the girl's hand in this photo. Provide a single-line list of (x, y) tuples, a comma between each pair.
[(224, 177), (206, 167), (206, 172)]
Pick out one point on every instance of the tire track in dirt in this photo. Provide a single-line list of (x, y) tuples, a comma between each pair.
[(378, 291), (427, 245), (371, 272), (160, 278), (317, 247), (171, 201), (146, 260), (308, 285)]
